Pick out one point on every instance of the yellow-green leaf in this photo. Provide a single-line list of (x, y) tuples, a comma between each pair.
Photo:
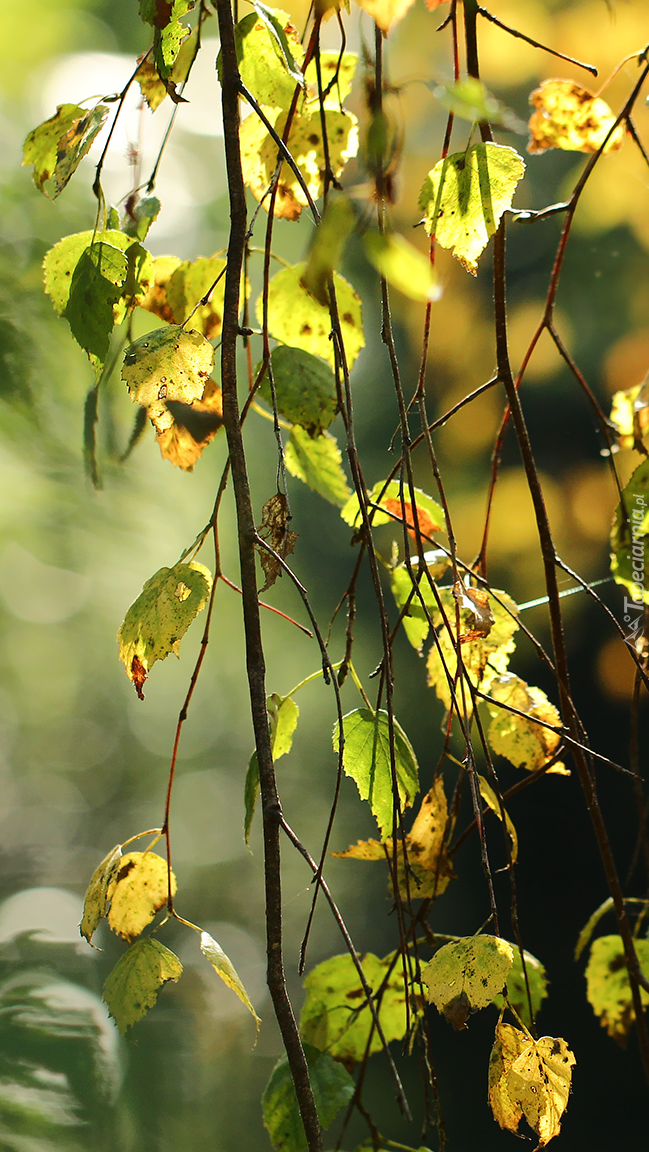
[(134, 983), (484, 657), (317, 462), (327, 245), (296, 318), (490, 798), (269, 52), (157, 621), (137, 891), (57, 147), (429, 519), (366, 758), (570, 117), (284, 714), (523, 742), (402, 265), (465, 195), (332, 1088), (529, 1078), (224, 968), (629, 542), (466, 974), (152, 87), (337, 73), (189, 282), (416, 620), (608, 987), (386, 12), (96, 898), (517, 988), (336, 1018), (167, 364)]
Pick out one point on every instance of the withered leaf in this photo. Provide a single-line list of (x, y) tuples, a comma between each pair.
[(275, 518), (571, 118)]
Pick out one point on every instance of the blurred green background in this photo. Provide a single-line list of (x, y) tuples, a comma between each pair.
[(84, 764)]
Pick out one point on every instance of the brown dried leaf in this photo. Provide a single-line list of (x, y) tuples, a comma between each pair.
[(571, 118), (274, 529)]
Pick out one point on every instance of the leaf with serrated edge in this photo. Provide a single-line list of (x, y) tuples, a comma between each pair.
[(571, 118), (157, 621), (57, 147), (336, 1018), (464, 196), (95, 900), (137, 891), (466, 974), (263, 47), (296, 318), (366, 758), (134, 983), (608, 987), (531, 1078), (224, 968), (484, 657), (332, 1087), (524, 743), (317, 462), (167, 364)]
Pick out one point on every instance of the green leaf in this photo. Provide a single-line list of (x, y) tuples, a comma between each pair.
[(169, 33), (465, 975), (327, 246), (134, 983), (57, 147), (305, 389), (366, 758), (95, 900), (332, 1086), (465, 195), (224, 968), (591, 924), (336, 1017), (188, 284), (142, 217), (317, 463), (415, 622), (336, 70), (402, 265), (470, 99), (167, 364), (485, 657), (284, 714), (296, 318), (152, 87), (268, 47), (250, 794), (608, 987), (629, 539), (156, 623), (259, 155), (138, 889), (517, 990)]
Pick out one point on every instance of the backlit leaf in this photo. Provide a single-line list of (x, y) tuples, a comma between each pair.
[(317, 462), (138, 221), (490, 798), (429, 519), (259, 155), (96, 900), (332, 1087), (386, 12), (305, 388), (57, 147), (169, 33), (167, 364), (466, 974), (327, 246), (529, 1078), (366, 850), (134, 983), (630, 414), (264, 47), (155, 299), (591, 924), (608, 987), (152, 87), (470, 99), (296, 318), (336, 1017), (483, 658), (189, 282), (284, 714), (274, 529), (517, 989), (524, 743), (137, 891), (571, 118), (156, 623), (224, 968), (629, 536), (402, 265), (465, 195), (337, 73), (415, 622), (194, 426), (366, 758)]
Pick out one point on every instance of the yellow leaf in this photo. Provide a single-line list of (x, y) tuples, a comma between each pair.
[(96, 898), (608, 987), (155, 299), (490, 798), (630, 414), (133, 985), (296, 318), (524, 743), (464, 976), (465, 195), (167, 364), (137, 892), (224, 968), (386, 12), (484, 657), (531, 1078), (194, 426), (571, 118), (365, 850)]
